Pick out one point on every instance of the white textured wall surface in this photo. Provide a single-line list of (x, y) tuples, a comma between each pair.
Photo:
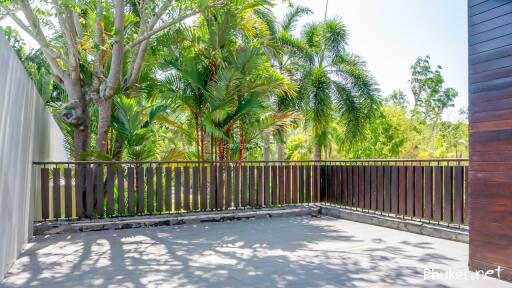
[(27, 133)]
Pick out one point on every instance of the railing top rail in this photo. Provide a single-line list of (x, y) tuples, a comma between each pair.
[(434, 160)]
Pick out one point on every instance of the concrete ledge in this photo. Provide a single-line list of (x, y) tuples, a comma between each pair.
[(417, 227), (58, 227), (428, 229)]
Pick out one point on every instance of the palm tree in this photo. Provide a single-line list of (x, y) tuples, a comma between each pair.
[(239, 94), (287, 58), (220, 74), (334, 85)]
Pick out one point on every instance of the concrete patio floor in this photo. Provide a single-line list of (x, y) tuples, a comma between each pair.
[(277, 252)]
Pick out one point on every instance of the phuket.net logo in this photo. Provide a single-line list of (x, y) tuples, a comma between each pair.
[(439, 274)]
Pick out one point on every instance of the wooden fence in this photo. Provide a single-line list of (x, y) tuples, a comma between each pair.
[(423, 189)]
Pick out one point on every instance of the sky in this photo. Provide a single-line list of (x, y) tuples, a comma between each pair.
[(391, 34)]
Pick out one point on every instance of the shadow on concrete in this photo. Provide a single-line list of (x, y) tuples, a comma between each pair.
[(280, 252)]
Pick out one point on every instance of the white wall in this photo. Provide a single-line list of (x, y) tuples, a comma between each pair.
[(27, 133)]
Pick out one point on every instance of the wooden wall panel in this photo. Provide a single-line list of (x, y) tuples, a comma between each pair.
[(490, 143)]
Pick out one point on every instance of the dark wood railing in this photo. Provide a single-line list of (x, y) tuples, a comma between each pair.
[(434, 190)]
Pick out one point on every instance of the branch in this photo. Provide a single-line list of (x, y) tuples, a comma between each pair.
[(99, 56), (37, 33), (167, 25), (140, 54), (117, 51), (67, 26)]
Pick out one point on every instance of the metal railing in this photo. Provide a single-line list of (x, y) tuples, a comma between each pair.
[(431, 189)]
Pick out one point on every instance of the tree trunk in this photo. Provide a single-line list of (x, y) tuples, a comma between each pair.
[(202, 144), (318, 152), (104, 112), (219, 149), (227, 150), (280, 151), (208, 147), (197, 139), (266, 147), (241, 151), (77, 114), (117, 153)]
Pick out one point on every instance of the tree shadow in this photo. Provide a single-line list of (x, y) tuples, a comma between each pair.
[(278, 252)]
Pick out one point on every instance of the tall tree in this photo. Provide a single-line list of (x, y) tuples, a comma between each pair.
[(287, 58), (431, 98), (95, 48), (335, 85)]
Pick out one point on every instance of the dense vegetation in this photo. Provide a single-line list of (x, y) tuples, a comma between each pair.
[(222, 80)]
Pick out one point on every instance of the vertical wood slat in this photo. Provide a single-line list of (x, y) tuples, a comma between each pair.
[(131, 190), (316, 183), (99, 191), (186, 188), (394, 189), (110, 190), (212, 204), (150, 203), (79, 190), (402, 190), (177, 189), (447, 194), (380, 188), (339, 200), (373, 187), (281, 185), (329, 184), (220, 187), (56, 193), (243, 182), (295, 191), (428, 193), (89, 185), (301, 184), (45, 193), (355, 186), (335, 184), (361, 187), (387, 189), (229, 188), (457, 196), (139, 174), (120, 192), (274, 188), (68, 191), (367, 190), (323, 186), (195, 188), (410, 191), (343, 184), (266, 176), (287, 185), (350, 186), (204, 187), (308, 190), (236, 186), (418, 191), (437, 208), (252, 186), (159, 190), (259, 180), (465, 219), (168, 189)]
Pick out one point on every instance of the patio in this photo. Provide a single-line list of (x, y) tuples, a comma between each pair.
[(276, 252)]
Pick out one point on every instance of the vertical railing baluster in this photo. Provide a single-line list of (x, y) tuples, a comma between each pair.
[(56, 193), (45, 193), (68, 193)]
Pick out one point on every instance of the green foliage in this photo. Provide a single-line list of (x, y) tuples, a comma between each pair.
[(430, 97), (335, 85), (237, 83)]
